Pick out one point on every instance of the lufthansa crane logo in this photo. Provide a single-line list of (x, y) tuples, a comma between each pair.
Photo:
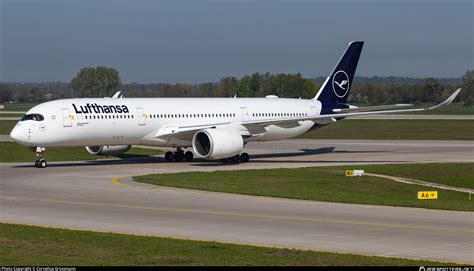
[(340, 83)]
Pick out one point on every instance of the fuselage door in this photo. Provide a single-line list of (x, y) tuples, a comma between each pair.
[(245, 113), (67, 117), (141, 116), (313, 111)]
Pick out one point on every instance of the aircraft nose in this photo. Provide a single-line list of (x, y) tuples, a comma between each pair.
[(17, 134)]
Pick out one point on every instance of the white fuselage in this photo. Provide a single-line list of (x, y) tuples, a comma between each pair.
[(130, 121)]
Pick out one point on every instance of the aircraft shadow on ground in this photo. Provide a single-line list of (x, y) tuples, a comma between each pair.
[(146, 159), (122, 160), (256, 158), (302, 152)]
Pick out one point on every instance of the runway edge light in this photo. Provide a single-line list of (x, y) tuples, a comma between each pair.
[(427, 195)]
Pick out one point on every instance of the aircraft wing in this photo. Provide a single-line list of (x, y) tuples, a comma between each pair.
[(187, 131), (349, 114), (369, 108)]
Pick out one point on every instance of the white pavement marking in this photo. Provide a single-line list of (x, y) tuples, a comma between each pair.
[(422, 183)]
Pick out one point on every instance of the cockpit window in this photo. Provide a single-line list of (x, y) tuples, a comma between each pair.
[(35, 117)]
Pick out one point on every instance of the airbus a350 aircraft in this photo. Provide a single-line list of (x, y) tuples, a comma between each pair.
[(215, 128)]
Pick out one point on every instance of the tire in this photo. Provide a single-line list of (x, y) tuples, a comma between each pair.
[(169, 156), (178, 156), (188, 156), (244, 157), (37, 165), (43, 163), (233, 160)]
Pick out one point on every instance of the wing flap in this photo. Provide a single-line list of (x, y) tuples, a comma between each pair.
[(369, 108)]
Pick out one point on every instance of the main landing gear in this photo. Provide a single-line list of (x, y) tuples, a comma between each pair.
[(242, 158), (40, 160), (179, 155)]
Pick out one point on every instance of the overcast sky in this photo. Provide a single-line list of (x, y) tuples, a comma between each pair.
[(199, 41)]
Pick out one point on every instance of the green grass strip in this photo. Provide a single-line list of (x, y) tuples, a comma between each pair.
[(329, 184), (31, 245), (395, 130)]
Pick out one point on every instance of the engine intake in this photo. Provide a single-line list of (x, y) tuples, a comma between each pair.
[(108, 150), (217, 143)]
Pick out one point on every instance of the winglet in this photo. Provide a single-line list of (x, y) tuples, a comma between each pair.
[(448, 100)]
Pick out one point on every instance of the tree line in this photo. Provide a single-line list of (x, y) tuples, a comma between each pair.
[(105, 81)]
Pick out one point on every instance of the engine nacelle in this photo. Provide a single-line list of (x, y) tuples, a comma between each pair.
[(217, 143), (108, 150)]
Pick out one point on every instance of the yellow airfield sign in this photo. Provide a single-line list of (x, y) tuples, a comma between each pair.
[(427, 194), (355, 172)]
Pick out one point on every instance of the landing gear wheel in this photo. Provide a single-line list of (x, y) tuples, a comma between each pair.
[(169, 156), (244, 157), (232, 160), (179, 156), (188, 156), (41, 163)]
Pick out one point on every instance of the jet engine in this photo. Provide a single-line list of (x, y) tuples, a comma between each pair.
[(217, 143), (108, 150)]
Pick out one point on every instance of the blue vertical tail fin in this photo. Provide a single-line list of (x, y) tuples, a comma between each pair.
[(337, 85)]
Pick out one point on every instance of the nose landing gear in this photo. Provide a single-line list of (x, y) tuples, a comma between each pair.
[(40, 160)]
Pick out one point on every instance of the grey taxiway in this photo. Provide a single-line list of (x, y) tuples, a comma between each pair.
[(99, 195)]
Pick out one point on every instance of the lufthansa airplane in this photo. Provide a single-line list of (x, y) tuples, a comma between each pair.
[(215, 128)]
